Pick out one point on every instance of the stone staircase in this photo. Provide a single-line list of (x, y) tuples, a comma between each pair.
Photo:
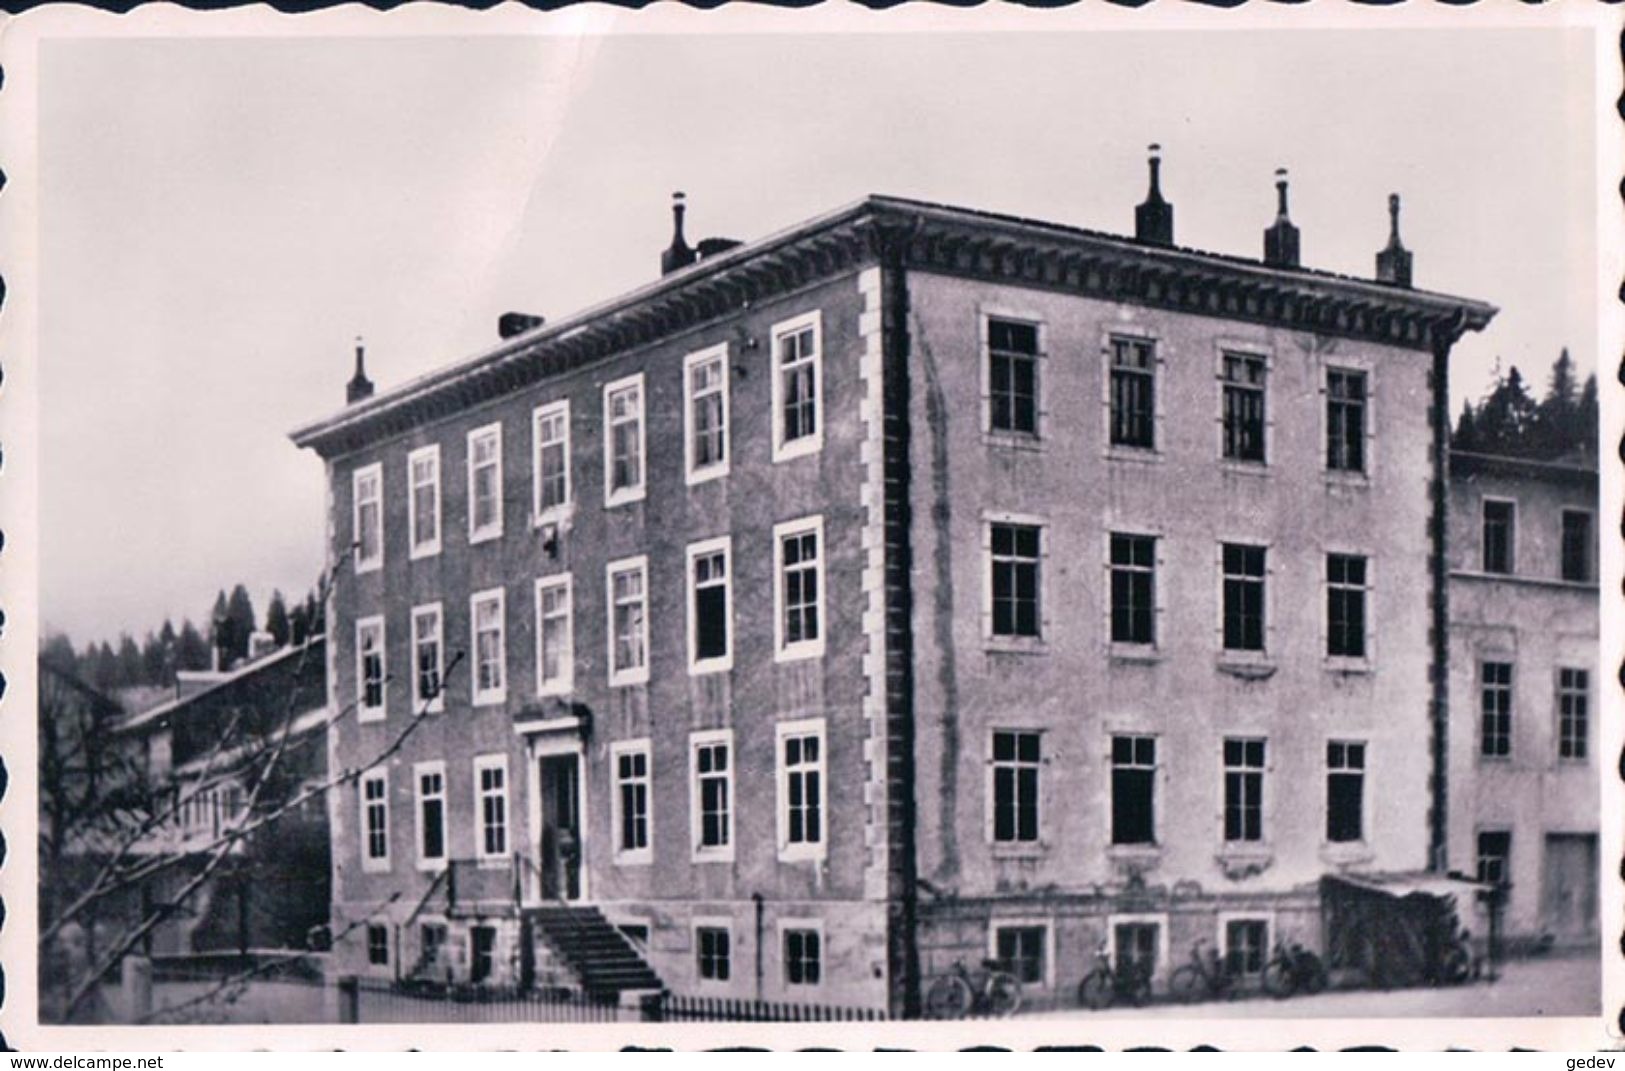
[(597, 953)]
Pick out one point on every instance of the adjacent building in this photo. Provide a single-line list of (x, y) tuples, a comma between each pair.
[(915, 584)]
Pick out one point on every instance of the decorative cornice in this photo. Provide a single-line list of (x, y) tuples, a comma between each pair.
[(923, 237)]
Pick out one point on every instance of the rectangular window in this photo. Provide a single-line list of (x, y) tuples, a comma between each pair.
[(1014, 561), (1134, 774), (801, 789), (797, 388), (1495, 709), (369, 673), (1244, 376), (485, 483), (375, 821), (555, 636), (1243, 597), (550, 429), (1500, 521), (628, 621), (1016, 761), (1012, 373), (423, 503), (712, 789), (1576, 546), (490, 647), (369, 518), (712, 946), (482, 948), (491, 805), (623, 440), (378, 945), (1495, 856), (705, 387), (431, 791), (1345, 605), (800, 589), (431, 949), (1135, 946), (631, 761), (803, 956), (1133, 390), (1246, 946), (427, 658), (1345, 420), (1243, 791), (1133, 566), (710, 606), (1345, 792), (1573, 713), (1020, 951)]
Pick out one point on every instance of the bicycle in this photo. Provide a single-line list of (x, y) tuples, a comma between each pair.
[(1108, 983), (1293, 969), (1203, 976), (960, 992)]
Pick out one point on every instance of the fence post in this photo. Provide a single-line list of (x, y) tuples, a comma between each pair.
[(136, 982), (349, 999)]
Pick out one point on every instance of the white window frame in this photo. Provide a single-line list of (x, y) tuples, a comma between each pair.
[(1034, 439), (713, 922), (807, 444), (1265, 796), (374, 472), (564, 684), (693, 474), (1221, 934), (1130, 331), (494, 529), (370, 863), (1346, 663), (714, 853), (1248, 655), (705, 548), (1015, 643), (364, 713), (1358, 845), (481, 764), (1158, 919), (1025, 922), (1365, 367), (438, 703), (488, 696), (634, 493), (1512, 535), (429, 548), (814, 648), (807, 727), (543, 514), (636, 674), (787, 924), (640, 746), (990, 811), (1234, 347), (1159, 574), (419, 771)]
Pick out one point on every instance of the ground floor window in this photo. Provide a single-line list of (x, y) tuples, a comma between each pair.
[(1246, 945), (637, 933), (803, 957), (431, 946), (482, 942), (378, 946), (1020, 950), (713, 947), (1136, 946), (1494, 856)]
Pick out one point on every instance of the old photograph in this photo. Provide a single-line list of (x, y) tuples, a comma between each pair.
[(646, 522)]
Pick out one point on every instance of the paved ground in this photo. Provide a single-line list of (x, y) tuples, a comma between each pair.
[(1550, 985)]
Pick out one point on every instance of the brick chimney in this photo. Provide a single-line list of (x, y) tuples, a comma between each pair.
[(1394, 262), (677, 255), (1281, 237), (360, 387), (510, 324), (1154, 218)]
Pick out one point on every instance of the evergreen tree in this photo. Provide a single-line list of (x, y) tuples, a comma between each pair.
[(240, 615), (1465, 437), (1506, 416), (276, 620), (220, 639), (154, 660), (130, 669), (298, 627), (57, 651), (1587, 419), (191, 649)]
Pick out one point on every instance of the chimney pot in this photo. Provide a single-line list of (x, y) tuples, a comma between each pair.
[(1394, 261), (1281, 237), (1154, 217), (359, 388), (678, 255)]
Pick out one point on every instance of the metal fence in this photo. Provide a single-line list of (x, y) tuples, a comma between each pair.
[(364, 1000), (673, 1007)]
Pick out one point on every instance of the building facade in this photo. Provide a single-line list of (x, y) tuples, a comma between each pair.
[(1524, 687), (917, 584)]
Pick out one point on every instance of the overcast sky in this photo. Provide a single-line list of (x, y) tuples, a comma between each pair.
[(220, 217)]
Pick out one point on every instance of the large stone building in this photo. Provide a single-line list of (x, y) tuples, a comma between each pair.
[(914, 584), (1523, 683)]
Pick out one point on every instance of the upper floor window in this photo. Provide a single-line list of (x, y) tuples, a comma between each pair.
[(485, 483), (797, 387), (710, 606), (551, 431), (1014, 562), (1573, 713), (624, 446), (1016, 762), (1495, 709), (799, 591), (369, 673), (555, 636), (1012, 376), (801, 789), (1345, 791), (628, 621), (490, 647), (431, 792), (1345, 605), (705, 409), (712, 794), (1243, 597), (368, 484), (491, 805), (1133, 391), (1133, 569), (428, 657), (1243, 790), (1345, 420), (423, 503), (1576, 545), (1500, 523), (375, 820), (1244, 381), (1134, 782)]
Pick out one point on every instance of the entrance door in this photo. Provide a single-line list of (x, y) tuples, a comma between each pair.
[(1569, 896), (560, 785)]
